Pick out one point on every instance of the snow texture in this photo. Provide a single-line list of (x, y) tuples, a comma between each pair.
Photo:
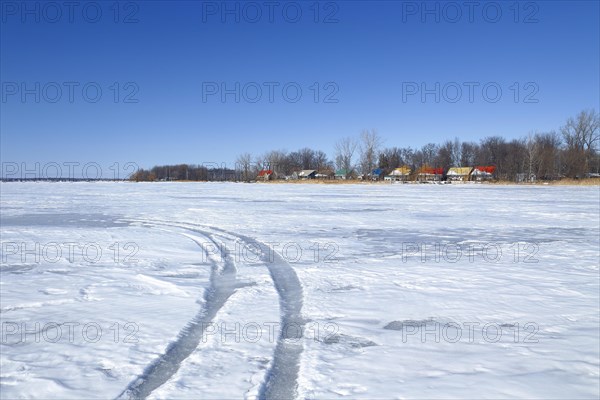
[(223, 290)]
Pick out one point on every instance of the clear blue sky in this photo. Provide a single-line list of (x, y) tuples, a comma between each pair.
[(175, 50)]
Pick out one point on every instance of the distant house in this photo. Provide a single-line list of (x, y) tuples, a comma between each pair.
[(483, 173), (460, 174), (307, 174), (399, 174), (343, 174), (265, 175), (324, 175), (429, 174), (376, 174)]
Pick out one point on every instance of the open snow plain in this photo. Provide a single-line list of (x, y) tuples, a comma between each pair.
[(192, 290)]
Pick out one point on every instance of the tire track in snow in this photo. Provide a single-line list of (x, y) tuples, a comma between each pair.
[(222, 286), (281, 381)]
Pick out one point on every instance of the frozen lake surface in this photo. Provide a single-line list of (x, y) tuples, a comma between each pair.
[(194, 290)]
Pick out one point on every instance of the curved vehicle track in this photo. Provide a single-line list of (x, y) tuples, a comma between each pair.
[(222, 286), (281, 380)]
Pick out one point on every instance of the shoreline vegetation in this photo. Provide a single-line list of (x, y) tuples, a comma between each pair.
[(561, 182), (571, 154)]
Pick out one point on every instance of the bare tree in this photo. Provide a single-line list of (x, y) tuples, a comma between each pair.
[(370, 143), (449, 154), (275, 160), (344, 154), (456, 152), (582, 131), (408, 156), (468, 153), (548, 155), (307, 158), (258, 165), (428, 154), (581, 135), (294, 162), (390, 158), (515, 161), (531, 145), (320, 160), (444, 156), (243, 164)]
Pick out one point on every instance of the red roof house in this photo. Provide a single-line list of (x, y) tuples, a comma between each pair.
[(483, 172), (265, 175)]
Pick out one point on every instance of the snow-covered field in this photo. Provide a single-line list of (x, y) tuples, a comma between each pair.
[(177, 290)]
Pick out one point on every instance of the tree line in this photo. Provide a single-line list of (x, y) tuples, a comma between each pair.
[(572, 151)]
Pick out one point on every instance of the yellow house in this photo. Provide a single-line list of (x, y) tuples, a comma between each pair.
[(399, 174), (459, 173)]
